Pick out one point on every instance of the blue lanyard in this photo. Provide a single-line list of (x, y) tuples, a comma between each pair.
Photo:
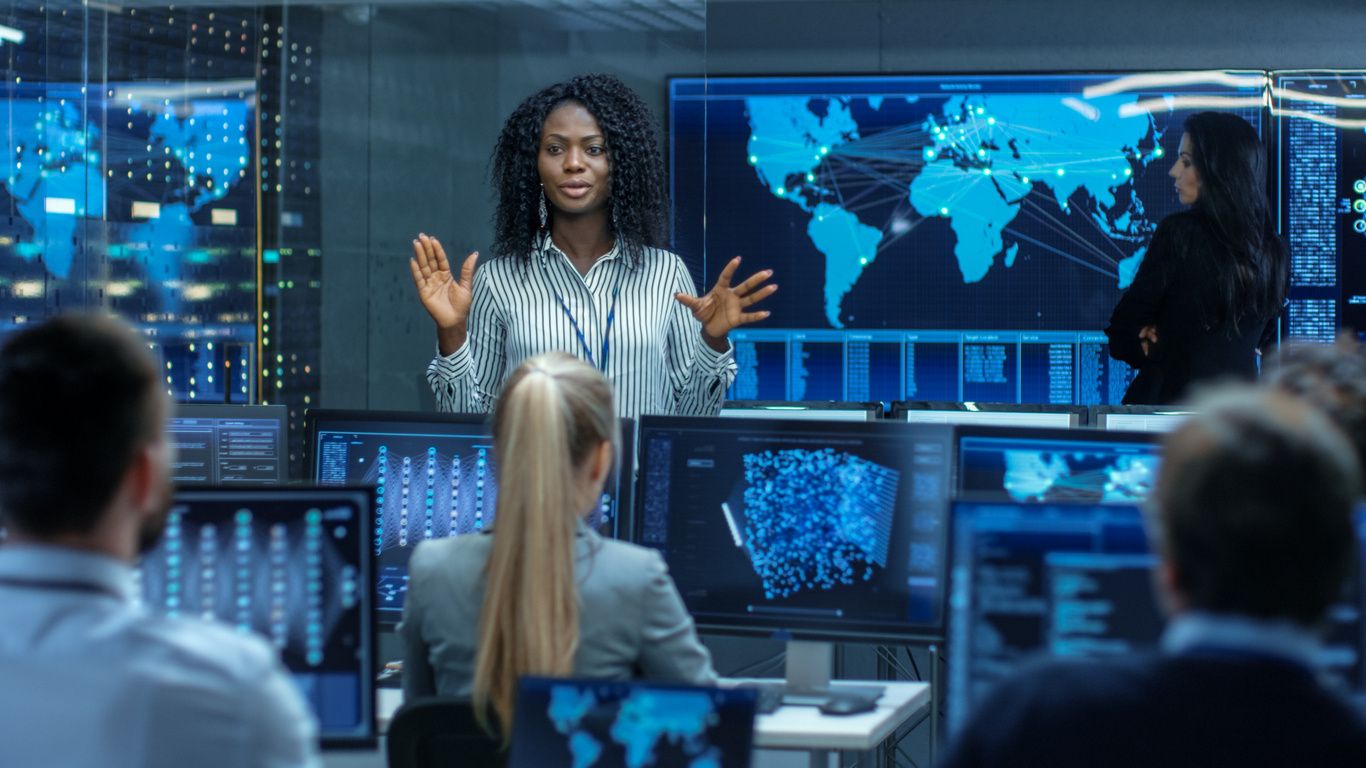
[(607, 330)]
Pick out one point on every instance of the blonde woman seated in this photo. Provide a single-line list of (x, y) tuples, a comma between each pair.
[(543, 593)]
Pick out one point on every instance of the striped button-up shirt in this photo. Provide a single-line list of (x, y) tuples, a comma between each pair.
[(657, 361)]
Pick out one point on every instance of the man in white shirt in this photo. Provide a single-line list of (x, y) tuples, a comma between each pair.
[(87, 678)]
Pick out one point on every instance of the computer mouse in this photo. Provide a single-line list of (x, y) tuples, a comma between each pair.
[(848, 705)]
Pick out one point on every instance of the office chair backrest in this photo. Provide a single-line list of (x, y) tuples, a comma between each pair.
[(439, 731)]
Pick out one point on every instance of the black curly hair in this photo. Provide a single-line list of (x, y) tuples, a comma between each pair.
[(638, 201)]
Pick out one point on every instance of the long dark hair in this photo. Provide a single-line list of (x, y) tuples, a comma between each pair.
[(1231, 163), (639, 203)]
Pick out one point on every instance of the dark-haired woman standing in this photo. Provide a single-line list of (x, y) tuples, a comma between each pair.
[(579, 266), (1214, 277)]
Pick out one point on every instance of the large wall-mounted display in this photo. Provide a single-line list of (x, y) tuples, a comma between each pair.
[(945, 237)]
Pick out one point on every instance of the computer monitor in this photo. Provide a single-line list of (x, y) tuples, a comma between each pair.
[(996, 414), (291, 564), (1138, 418), (1043, 465), (798, 411), (228, 444), (618, 724), (1075, 580), (1043, 579), (435, 476), (800, 530)]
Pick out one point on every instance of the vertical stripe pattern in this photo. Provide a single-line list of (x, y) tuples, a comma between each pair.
[(658, 362)]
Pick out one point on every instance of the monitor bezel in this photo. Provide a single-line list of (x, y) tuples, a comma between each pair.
[(919, 634), (1100, 414), (873, 410), (900, 408), (279, 414), (369, 619)]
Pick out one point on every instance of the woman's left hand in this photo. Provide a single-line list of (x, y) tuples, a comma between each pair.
[(723, 307), (1147, 337)]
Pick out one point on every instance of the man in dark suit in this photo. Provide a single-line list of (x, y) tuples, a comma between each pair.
[(1252, 520)]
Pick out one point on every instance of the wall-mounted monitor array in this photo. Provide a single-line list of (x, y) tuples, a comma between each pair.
[(228, 444), (292, 564), (436, 476), (964, 237)]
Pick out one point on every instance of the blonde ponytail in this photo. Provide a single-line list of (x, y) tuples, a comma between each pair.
[(554, 412)]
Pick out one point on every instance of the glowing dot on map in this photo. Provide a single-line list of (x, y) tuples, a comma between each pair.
[(780, 191), (863, 260), (981, 110), (1062, 171), (943, 211), (753, 159), (825, 150), (1128, 172), (986, 171), (1158, 152), (929, 153), (991, 121), (1024, 179), (981, 153), (810, 177)]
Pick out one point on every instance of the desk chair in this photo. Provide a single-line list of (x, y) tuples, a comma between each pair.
[(439, 732)]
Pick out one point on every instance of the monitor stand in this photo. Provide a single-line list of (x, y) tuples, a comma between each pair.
[(808, 676)]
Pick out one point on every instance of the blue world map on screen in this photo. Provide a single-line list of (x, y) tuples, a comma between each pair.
[(640, 724), (75, 159), (975, 160)]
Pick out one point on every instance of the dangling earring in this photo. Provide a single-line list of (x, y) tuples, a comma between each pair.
[(545, 214), (615, 226)]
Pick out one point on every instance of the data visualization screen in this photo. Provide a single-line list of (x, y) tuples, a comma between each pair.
[(1050, 465), (944, 237), (1320, 157), (824, 530), (435, 476), (291, 564), (228, 444)]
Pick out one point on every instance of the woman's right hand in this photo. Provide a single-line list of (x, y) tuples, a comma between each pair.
[(445, 298)]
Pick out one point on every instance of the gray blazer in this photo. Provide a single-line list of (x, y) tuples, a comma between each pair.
[(631, 618)]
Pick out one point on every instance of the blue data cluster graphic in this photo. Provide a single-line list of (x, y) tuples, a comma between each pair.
[(815, 519)]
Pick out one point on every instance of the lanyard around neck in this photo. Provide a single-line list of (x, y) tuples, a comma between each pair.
[(601, 362), (60, 585)]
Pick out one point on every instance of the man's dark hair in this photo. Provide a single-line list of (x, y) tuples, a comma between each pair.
[(1331, 377), (78, 399), (1253, 506)]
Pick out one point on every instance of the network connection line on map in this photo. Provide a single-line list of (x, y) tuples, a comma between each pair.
[(813, 520)]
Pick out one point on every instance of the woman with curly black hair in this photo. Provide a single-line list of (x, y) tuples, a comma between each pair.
[(580, 267)]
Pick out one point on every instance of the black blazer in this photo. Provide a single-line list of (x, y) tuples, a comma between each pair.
[(1190, 710), (1175, 290)]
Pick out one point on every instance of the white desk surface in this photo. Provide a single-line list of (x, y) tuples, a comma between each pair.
[(794, 727)]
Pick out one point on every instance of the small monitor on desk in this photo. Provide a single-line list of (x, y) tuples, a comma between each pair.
[(810, 531), (801, 411), (435, 476), (1043, 579), (228, 444), (1138, 418), (1043, 465), (291, 564), (992, 414), (609, 724)]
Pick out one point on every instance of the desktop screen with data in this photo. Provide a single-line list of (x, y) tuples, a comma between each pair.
[(228, 444), (1044, 465), (941, 237), (435, 476), (1029, 580), (823, 530), (290, 564)]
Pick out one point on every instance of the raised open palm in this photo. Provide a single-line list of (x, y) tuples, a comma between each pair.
[(445, 298), (723, 307)]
